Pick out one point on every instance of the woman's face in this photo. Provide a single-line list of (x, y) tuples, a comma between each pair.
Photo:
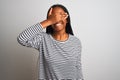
[(62, 24)]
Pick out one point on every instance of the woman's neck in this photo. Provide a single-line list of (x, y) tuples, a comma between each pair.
[(61, 36)]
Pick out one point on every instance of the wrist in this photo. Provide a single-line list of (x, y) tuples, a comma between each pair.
[(46, 23), (49, 22)]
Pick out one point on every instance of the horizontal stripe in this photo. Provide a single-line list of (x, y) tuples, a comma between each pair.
[(59, 60)]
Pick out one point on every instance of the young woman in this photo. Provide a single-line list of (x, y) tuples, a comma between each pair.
[(59, 50)]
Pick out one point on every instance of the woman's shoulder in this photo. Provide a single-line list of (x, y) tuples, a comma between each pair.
[(75, 40)]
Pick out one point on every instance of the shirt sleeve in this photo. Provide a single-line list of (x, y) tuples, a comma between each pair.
[(32, 36)]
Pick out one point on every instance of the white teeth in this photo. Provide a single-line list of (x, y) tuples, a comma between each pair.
[(58, 24)]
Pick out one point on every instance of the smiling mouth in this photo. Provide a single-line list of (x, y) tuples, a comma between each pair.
[(59, 24)]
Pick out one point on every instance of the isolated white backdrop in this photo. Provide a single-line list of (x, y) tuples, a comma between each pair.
[(95, 22)]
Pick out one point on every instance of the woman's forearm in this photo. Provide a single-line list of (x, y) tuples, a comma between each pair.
[(29, 33), (45, 23)]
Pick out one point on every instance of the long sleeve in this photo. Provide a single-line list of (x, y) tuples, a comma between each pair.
[(32, 36)]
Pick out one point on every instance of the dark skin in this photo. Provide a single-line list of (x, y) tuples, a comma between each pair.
[(57, 17)]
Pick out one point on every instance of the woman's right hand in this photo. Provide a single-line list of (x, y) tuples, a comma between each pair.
[(54, 17)]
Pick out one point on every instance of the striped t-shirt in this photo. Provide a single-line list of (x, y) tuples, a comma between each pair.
[(59, 60)]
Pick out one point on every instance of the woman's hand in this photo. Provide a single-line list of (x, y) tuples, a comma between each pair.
[(53, 18)]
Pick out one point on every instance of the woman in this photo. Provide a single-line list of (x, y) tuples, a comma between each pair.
[(59, 50)]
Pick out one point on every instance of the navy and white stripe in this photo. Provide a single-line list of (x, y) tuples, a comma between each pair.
[(59, 60)]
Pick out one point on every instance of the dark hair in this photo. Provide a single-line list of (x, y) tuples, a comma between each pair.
[(69, 30)]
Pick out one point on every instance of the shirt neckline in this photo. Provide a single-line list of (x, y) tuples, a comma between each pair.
[(59, 40)]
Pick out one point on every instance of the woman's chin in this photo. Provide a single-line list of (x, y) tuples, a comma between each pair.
[(58, 26), (57, 30)]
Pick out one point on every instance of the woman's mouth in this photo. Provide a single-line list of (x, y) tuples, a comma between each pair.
[(59, 24)]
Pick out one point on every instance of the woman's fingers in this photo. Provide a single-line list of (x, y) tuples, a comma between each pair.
[(65, 16), (50, 12), (56, 17)]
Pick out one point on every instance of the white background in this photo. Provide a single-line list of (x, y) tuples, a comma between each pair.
[(95, 22)]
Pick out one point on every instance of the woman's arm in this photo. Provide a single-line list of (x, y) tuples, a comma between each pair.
[(32, 36)]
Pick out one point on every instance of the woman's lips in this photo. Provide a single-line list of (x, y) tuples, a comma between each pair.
[(58, 24)]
